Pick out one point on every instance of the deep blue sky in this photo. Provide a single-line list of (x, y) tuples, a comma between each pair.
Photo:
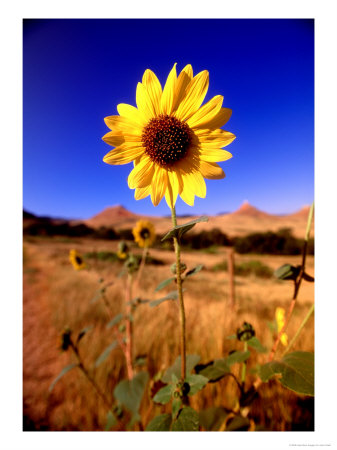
[(75, 72)]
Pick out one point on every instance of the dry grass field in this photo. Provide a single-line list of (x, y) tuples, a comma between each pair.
[(55, 296)]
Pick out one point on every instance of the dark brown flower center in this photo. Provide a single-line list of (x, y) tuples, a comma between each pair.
[(79, 260), (145, 233), (166, 140)]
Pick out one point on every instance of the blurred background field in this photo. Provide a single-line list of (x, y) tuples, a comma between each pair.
[(55, 296)]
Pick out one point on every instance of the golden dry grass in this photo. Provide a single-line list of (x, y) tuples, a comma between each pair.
[(56, 296)]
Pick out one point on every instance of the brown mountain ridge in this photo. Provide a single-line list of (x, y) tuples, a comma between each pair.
[(246, 219)]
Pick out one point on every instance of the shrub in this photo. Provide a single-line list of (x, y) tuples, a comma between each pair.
[(247, 268), (280, 243)]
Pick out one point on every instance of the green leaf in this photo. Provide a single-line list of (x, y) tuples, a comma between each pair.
[(296, 370), (188, 420), (237, 357), (216, 371), (220, 367), (61, 374), (164, 283), (194, 271), (238, 423), (173, 295), (134, 419), (83, 332), (179, 230), (103, 356), (256, 345), (130, 392), (196, 382), (140, 360), (142, 302), (137, 301), (115, 320), (287, 272), (164, 395), (111, 421), (160, 423), (212, 418), (191, 362), (232, 336)]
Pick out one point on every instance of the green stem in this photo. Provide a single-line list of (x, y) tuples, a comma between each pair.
[(129, 329), (181, 300), (89, 377), (305, 320), (244, 367), (141, 267), (297, 284)]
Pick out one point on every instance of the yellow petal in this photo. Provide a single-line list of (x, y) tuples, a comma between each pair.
[(116, 138), (142, 173), (219, 120), (141, 193), (132, 114), (215, 139), (206, 113), (214, 154), (284, 339), (123, 154), (153, 86), (183, 81), (167, 99), (195, 94), (211, 171), (193, 182), (159, 185), (144, 102), (123, 125), (173, 188), (197, 183), (112, 122), (187, 195)]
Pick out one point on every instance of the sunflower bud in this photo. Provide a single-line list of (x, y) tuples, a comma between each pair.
[(181, 390), (123, 247), (246, 332), (132, 264), (174, 268)]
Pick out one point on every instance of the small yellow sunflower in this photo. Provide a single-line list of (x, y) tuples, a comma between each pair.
[(280, 320), (173, 141), (144, 233), (76, 260), (121, 255)]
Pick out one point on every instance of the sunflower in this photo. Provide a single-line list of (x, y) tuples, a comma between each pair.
[(76, 260), (121, 255), (280, 320), (173, 141), (144, 233), (123, 250)]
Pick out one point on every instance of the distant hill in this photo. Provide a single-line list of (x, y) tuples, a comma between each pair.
[(246, 209), (301, 214), (246, 219), (111, 216)]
